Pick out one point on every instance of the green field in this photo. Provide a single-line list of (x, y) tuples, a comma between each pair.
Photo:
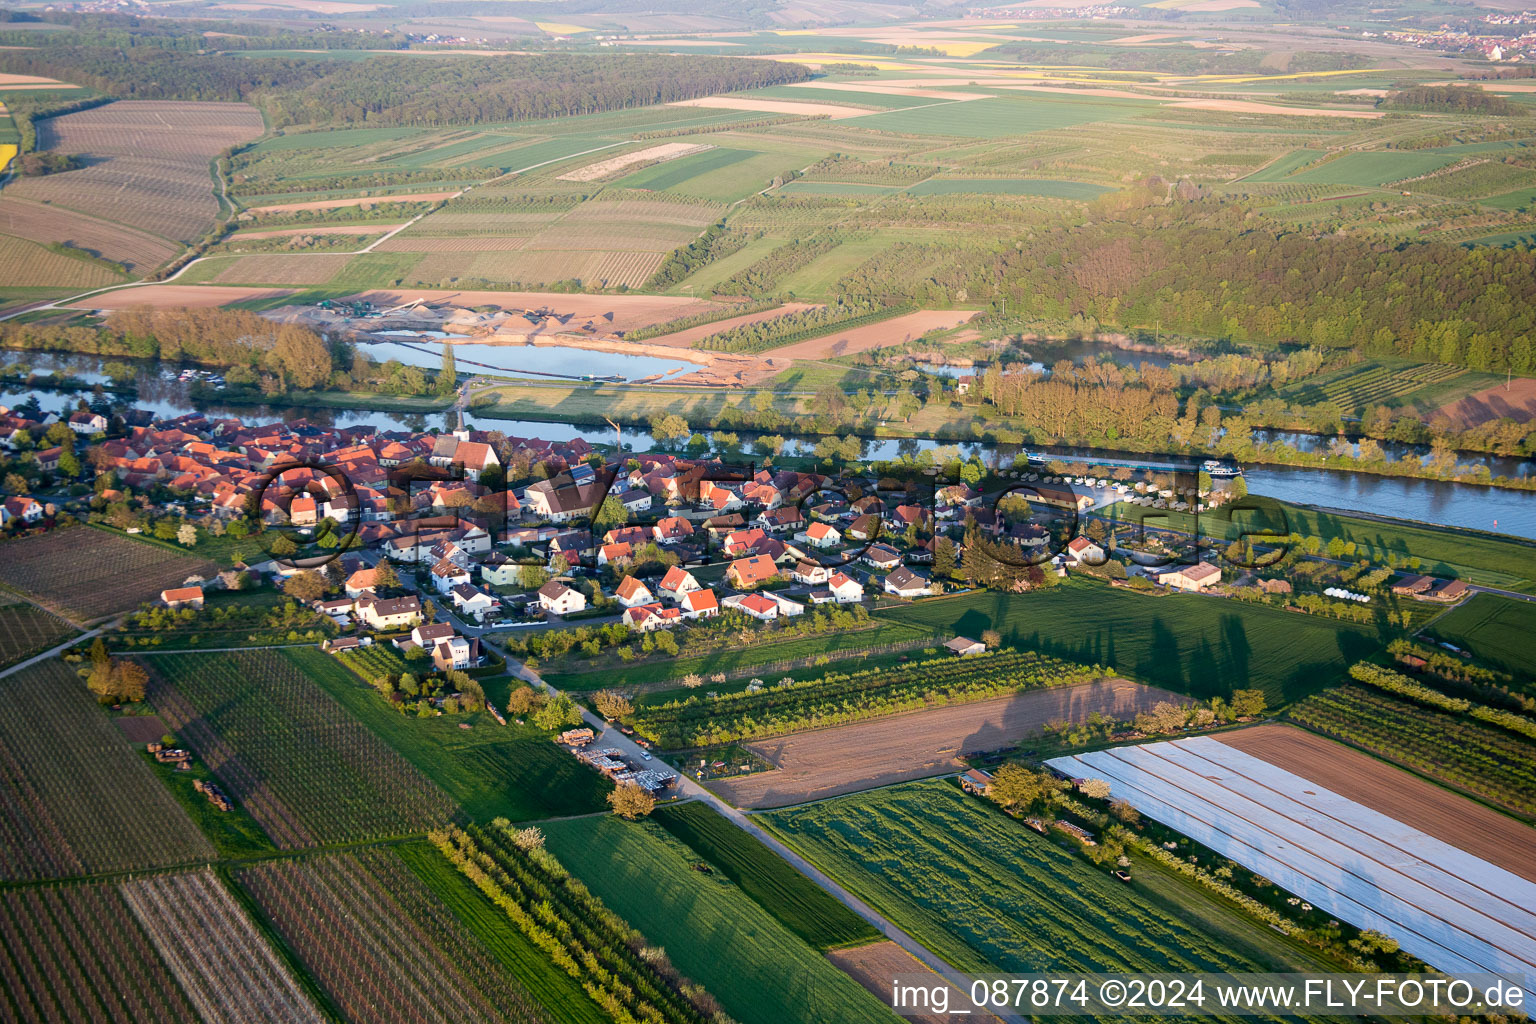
[(552, 987), (988, 894), (993, 118), (675, 173), (1009, 186), (760, 971), (798, 903), (1374, 168), (1190, 643), (490, 770), (1498, 630)]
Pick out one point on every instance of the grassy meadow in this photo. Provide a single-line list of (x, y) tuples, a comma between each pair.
[(1190, 643), (760, 971)]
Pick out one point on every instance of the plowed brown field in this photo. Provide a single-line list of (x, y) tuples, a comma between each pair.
[(829, 762), (1517, 401)]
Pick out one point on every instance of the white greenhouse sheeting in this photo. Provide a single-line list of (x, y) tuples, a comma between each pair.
[(1454, 911)]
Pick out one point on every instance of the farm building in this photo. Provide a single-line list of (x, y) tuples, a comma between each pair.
[(963, 645), (1191, 577), (182, 597), (976, 781)]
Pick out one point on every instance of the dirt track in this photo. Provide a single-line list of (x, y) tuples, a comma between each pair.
[(850, 758), (1447, 816), (874, 965)]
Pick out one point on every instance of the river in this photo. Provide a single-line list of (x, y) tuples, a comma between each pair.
[(1437, 502)]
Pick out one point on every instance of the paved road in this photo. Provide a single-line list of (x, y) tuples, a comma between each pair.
[(692, 790), (52, 652)]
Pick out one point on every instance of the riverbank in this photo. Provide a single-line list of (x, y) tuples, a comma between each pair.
[(730, 410)]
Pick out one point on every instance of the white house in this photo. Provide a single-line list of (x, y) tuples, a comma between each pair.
[(810, 573), (446, 575), (470, 600), (88, 423), (677, 582), (631, 593), (388, 614), (500, 571), (427, 635), (845, 589), (700, 604), (28, 510), (765, 606), (820, 535), (647, 617), (559, 599), (903, 582), (1081, 549)]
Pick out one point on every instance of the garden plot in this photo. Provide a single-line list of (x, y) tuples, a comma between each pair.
[(1455, 911)]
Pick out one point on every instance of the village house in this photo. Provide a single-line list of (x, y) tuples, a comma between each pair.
[(631, 593), (777, 520), (845, 589), (677, 582), (881, 557), (903, 582), (672, 530), (750, 572), (558, 599), (1190, 577), (28, 510), (1081, 549), (646, 617), (864, 527), (360, 581), (500, 571), (743, 541), (559, 505), (810, 573), (446, 575), (621, 554), (765, 607), (87, 423), (427, 635), (388, 614), (820, 535), (455, 652), (699, 604), (182, 597), (471, 600)]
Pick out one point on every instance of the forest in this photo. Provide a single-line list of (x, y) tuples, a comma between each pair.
[(390, 90), (1209, 268)]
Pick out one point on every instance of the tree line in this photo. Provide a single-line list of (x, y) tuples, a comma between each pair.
[(388, 90)]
